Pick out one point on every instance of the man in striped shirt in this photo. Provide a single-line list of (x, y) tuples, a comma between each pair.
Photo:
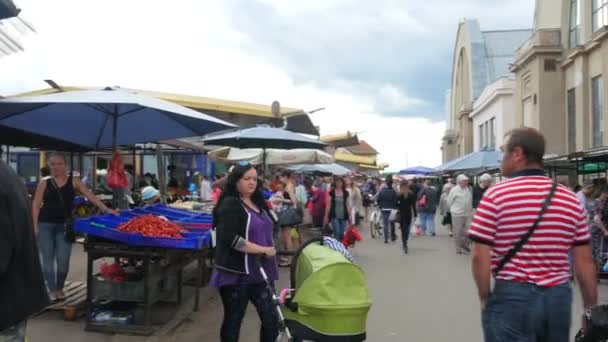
[(532, 298)]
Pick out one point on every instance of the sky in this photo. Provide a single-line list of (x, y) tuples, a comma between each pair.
[(380, 68)]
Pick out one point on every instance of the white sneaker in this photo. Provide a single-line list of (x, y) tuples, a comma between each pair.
[(52, 297)]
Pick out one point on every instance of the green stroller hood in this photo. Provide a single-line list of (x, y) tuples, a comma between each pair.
[(331, 293)]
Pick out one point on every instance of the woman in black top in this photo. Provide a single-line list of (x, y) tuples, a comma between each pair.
[(52, 209), (406, 203)]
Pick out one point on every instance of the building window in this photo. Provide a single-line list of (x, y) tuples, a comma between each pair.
[(481, 137), (600, 14), (492, 134), (571, 120), (575, 22), (597, 110), (487, 135)]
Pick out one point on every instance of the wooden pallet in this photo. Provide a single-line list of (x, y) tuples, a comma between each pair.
[(75, 298)]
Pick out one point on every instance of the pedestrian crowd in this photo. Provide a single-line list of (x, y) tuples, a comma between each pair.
[(528, 233)]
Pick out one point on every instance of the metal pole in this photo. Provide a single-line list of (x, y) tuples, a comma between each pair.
[(162, 184)]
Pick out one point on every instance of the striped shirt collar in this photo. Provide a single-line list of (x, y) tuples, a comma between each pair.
[(528, 173)]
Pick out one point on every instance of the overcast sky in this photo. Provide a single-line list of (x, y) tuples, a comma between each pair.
[(380, 67)]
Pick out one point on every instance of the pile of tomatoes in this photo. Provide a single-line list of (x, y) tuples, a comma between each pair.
[(150, 225)]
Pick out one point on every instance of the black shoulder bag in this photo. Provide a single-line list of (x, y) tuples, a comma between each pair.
[(528, 234), (69, 233)]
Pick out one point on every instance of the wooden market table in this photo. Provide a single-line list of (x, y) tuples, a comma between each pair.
[(162, 279)]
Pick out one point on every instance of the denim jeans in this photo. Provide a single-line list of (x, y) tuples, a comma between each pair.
[(427, 223), (339, 227), (16, 333), (55, 252), (386, 223), (522, 312), (235, 300)]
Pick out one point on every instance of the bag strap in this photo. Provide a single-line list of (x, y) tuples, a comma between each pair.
[(65, 208), (524, 239)]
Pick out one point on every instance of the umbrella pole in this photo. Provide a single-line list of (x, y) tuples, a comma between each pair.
[(162, 184)]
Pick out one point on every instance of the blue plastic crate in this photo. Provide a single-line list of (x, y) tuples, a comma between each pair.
[(105, 227)]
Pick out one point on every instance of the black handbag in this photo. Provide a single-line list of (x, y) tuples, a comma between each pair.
[(291, 216), (69, 233), (528, 234)]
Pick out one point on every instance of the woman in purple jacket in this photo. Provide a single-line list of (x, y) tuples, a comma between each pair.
[(244, 225)]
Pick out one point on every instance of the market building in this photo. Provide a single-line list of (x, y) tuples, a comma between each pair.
[(481, 92), (560, 75)]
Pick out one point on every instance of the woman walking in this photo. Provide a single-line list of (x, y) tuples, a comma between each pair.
[(597, 211), (244, 232), (355, 200), (387, 202), (406, 203), (338, 209), (52, 213)]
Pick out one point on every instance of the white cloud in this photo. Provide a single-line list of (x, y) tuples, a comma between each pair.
[(352, 57)]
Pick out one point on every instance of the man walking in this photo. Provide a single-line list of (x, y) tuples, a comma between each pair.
[(523, 231), (22, 289), (427, 203), (480, 189), (460, 202)]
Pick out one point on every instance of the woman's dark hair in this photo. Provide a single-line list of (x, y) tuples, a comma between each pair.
[(335, 183), (143, 183), (389, 181), (231, 190)]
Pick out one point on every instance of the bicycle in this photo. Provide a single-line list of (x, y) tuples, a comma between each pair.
[(375, 222)]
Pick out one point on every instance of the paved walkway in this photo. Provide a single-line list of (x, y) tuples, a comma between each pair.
[(427, 295)]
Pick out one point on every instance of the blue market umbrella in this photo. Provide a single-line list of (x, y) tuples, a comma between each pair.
[(333, 169), (263, 137), (480, 160), (417, 170), (105, 118)]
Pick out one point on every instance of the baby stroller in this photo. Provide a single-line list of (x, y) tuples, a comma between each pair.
[(328, 300), (596, 329)]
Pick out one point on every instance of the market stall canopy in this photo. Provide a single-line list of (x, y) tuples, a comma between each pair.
[(16, 137), (417, 170), (333, 169), (273, 156), (105, 118), (243, 114), (263, 137), (476, 161)]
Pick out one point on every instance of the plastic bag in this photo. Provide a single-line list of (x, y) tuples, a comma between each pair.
[(116, 173)]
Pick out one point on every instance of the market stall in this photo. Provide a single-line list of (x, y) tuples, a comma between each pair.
[(149, 249)]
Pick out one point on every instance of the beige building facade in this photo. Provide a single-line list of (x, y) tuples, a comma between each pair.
[(560, 75)]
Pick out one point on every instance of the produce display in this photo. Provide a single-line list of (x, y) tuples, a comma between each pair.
[(153, 226)]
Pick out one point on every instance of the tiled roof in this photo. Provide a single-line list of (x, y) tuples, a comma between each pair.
[(363, 149)]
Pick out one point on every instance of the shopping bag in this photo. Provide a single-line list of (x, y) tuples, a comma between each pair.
[(417, 230), (116, 173)]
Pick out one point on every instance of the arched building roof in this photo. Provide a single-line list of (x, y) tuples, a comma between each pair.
[(480, 58)]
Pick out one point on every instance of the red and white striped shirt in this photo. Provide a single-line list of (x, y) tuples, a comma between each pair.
[(508, 210)]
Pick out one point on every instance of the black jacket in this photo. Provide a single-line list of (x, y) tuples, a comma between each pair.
[(22, 289), (478, 193), (231, 223), (406, 205), (387, 199)]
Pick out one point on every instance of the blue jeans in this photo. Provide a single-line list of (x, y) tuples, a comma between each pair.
[(521, 312), (427, 223), (55, 252), (339, 227), (386, 215)]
